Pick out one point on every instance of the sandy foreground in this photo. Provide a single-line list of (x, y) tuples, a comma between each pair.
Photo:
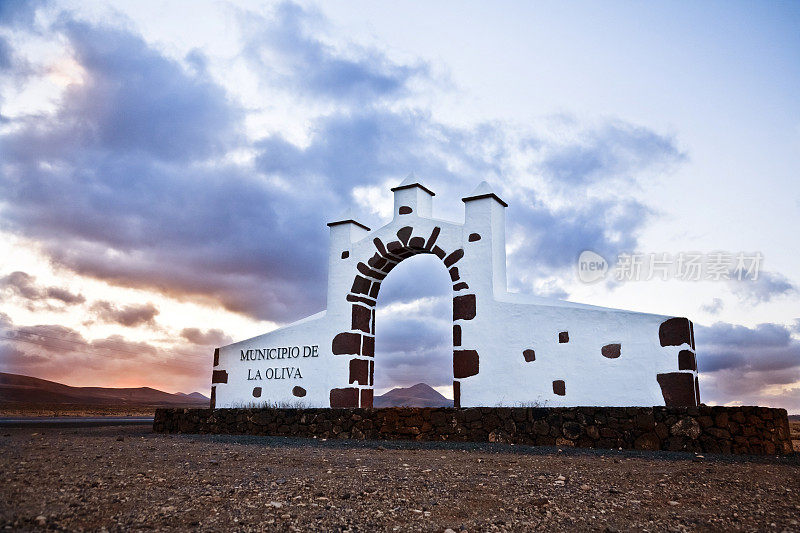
[(128, 478)]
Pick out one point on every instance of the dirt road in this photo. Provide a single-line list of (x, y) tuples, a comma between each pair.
[(127, 478)]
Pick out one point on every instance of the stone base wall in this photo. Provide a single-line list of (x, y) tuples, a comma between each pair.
[(740, 430)]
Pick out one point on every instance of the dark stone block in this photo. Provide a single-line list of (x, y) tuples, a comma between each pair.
[(344, 397), (647, 441), (677, 388), (377, 261), (451, 259), (395, 247), (454, 274), (404, 210), (404, 234), (572, 430), (361, 318), (360, 285), (354, 298), (697, 390), (380, 247), (213, 401), (359, 371), (367, 271), (366, 398), (529, 355), (460, 286), (559, 387), (563, 337), (611, 351), (369, 346), (432, 239), (345, 254), (686, 360), (474, 237), (376, 287), (456, 335), (299, 391), (465, 363), (438, 252), (674, 332), (219, 376), (256, 392), (216, 356), (464, 307), (346, 343), (417, 243)]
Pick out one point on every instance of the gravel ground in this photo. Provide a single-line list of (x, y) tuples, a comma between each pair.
[(127, 478)]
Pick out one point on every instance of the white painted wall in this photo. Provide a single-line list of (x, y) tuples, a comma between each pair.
[(505, 325)]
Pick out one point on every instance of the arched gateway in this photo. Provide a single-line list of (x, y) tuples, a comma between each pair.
[(508, 349)]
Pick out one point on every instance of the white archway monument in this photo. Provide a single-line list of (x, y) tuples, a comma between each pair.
[(508, 349)]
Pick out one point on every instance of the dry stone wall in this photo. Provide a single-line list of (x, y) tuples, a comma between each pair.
[(739, 430)]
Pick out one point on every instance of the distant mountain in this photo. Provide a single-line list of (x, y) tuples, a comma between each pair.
[(15, 388), (195, 395), (420, 395)]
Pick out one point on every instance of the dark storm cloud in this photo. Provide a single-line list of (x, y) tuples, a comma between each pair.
[(23, 285), (118, 185), (211, 337), (62, 354), (15, 13), (615, 149), (128, 315), (765, 287), (369, 145), (126, 182), (739, 363), (415, 346), (287, 50), (423, 276), (554, 238), (6, 54), (136, 102)]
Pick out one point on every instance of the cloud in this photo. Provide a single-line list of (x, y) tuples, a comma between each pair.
[(6, 54), (62, 354), (713, 307), (211, 337), (550, 238), (422, 276), (136, 101), (19, 13), (414, 344), (615, 149), (131, 182), (120, 185), (23, 285), (129, 315), (765, 286), (739, 363), (288, 51)]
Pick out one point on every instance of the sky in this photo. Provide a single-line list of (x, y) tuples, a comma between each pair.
[(167, 171)]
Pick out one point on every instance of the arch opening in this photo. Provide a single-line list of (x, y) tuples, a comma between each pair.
[(413, 336), (359, 341)]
